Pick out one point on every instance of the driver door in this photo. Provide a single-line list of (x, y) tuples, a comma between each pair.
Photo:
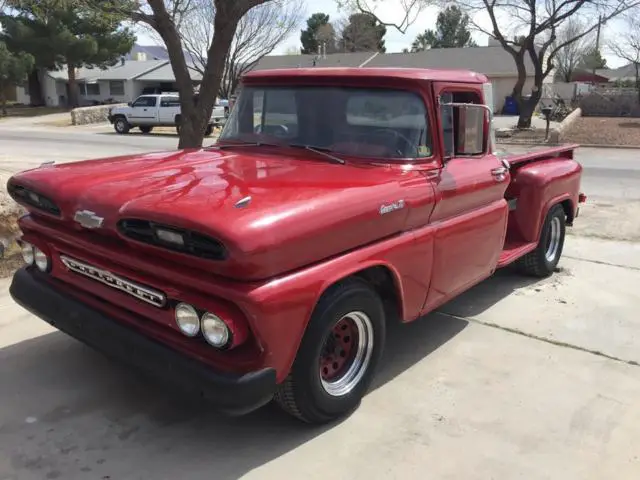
[(471, 212), (143, 110)]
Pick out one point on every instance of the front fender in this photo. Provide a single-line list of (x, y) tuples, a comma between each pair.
[(280, 309)]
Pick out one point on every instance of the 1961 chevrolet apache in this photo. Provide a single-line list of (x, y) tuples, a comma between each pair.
[(266, 266)]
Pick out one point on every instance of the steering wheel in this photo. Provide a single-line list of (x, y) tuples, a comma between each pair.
[(279, 131), (397, 135)]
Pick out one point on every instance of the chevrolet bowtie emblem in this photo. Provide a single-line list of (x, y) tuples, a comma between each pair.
[(88, 219)]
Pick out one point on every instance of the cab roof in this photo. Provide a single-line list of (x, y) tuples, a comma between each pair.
[(438, 75)]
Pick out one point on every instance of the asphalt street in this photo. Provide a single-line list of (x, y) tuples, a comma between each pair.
[(515, 378)]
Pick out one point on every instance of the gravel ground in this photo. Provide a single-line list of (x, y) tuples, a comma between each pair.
[(604, 131)]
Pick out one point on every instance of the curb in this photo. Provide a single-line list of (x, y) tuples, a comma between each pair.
[(595, 145), (581, 145)]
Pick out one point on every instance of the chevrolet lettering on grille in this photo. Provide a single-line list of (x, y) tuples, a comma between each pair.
[(145, 294)]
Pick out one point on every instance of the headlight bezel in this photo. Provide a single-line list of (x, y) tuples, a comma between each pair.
[(226, 338), (187, 309)]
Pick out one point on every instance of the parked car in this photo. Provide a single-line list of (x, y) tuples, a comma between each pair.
[(268, 266), (157, 110)]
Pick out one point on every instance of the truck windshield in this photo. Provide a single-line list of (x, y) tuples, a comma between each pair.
[(366, 122)]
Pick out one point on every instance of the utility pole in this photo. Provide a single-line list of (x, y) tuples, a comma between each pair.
[(597, 49)]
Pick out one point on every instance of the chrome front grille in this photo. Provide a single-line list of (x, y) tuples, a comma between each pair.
[(141, 292)]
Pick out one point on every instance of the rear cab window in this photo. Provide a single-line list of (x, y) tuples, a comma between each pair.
[(169, 101)]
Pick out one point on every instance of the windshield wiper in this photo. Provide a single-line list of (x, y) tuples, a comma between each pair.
[(244, 144), (319, 150)]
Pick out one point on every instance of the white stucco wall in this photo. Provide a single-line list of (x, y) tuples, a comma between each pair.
[(503, 87)]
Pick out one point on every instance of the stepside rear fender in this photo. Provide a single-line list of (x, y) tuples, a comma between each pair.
[(537, 186)]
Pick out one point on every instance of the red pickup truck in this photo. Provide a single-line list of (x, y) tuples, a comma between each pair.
[(267, 265)]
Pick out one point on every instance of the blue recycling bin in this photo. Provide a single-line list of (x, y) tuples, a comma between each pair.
[(510, 106)]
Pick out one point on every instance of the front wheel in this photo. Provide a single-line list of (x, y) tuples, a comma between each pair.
[(208, 131), (121, 125), (338, 354), (542, 261)]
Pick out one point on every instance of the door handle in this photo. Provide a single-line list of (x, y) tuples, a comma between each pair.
[(499, 173)]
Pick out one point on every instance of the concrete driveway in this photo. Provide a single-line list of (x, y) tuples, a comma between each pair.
[(514, 379)]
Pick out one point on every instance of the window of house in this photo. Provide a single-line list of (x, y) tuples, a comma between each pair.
[(93, 89), (116, 87), (82, 89), (463, 128)]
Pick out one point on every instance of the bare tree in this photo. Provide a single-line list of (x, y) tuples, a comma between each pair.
[(259, 32), (570, 55), (167, 17), (409, 11), (627, 45), (537, 24)]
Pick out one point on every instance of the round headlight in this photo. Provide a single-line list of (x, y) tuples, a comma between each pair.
[(27, 253), (41, 260), (215, 331), (187, 319)]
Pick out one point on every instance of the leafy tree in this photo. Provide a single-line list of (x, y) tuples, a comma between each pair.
[(66, 34), (593, 60), (317, 26), (14, 68), (363, 33), (452, 30)]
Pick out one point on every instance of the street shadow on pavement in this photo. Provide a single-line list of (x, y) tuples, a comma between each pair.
[(67, 411)]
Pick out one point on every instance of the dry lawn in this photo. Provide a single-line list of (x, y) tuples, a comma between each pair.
[(604, 131)]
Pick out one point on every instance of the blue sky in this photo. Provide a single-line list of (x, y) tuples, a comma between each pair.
[(396, 41)]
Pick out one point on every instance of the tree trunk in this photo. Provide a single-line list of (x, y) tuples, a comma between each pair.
[(35, 89), (527, 107), (74, 94), (3, 101), (637, 65)]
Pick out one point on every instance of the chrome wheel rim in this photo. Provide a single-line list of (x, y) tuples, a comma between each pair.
[(120, 125), (553, 242), (346, 354)]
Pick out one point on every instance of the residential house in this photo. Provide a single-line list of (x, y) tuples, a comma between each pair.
[(145, 69), (493, 61)]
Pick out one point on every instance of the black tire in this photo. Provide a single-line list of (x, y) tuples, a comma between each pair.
[(121, 125), (178, 120), (145, 129), (542, 261), (303, 394), (208, 131)]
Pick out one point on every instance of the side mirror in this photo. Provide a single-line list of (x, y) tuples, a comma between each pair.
[(471, 132), (128, 104)]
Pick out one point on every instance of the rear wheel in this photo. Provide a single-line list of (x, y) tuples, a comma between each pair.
[(121, 125), (208, 131), (542, 261), (338, 354), (145, 129)]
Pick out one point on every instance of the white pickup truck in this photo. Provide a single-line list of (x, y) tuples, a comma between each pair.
[(157, 110)]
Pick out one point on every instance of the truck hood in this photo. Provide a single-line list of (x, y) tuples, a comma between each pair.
[(296, 209)]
